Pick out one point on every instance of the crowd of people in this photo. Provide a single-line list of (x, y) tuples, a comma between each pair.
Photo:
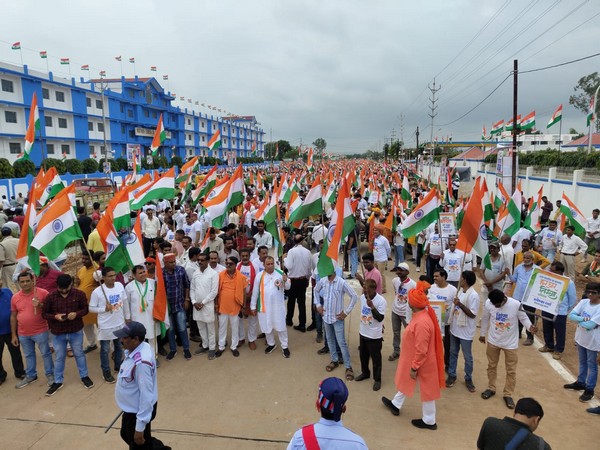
[(229, 287)]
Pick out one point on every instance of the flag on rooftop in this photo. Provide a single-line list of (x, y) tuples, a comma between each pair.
[(528, 122), (16, 46), (85, 67), (43, 54), (132, 60), (118, 58), (32, 126), (64, 61)]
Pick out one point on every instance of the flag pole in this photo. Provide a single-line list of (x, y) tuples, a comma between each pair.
[(43, 146)]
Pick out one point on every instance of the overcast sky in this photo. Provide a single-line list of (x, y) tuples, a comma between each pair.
[(342, 70)]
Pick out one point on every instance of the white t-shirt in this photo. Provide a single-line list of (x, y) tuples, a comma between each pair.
[(452, 262), (589, 339), (494, 272), (400, 305), (108, 321), (550, 239), (523, 233), (446, 295), (369, 327), (503, 323), (381, 249), (466, 329), (435, 244)]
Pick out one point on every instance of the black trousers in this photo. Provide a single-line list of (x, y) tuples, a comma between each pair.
[(147, 244), (297, 294), (446, 342), (530, 311), (128, 430), (15, 357), (370, 348)]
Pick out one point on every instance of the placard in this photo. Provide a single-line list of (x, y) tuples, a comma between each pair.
[(439, 307), (545, 290), (447, 224)]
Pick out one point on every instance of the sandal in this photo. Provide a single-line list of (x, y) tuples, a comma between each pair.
[(349, 374), (510, 404), (331, 366), (487, 394)]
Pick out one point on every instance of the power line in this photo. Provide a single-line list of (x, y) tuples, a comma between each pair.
[(561, 64)]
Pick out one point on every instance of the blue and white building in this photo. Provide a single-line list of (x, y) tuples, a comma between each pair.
[(73, 124)]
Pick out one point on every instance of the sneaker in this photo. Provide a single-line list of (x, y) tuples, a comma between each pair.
[(187, 355), (470, 385), (528, 342), (418, 269), (87, 382), (270, 349), (286, 352), (108, 377), (557, 355), (450, 381), (25, 381), (53, 389), (595, 411), (235, 352), (545, 349), (587, 395), (90, 348), (218, 353), (201, 350), (575, 386), (50, 379), (171, 355), (211, 355)]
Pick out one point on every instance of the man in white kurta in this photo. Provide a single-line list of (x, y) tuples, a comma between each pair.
[(268, 300), (204, 287), (139, 304)]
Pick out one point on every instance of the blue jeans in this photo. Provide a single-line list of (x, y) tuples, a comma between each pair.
[(335, 335), (549, 254), (588, 368), (178, 321), (399, 254), (455, 345), (105, 349), (353, 253), (60, 347), (28, 345)]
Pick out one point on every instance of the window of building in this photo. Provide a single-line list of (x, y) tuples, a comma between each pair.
[(154, 115), (130, 113), (88, 102), (101, 127), (214, 126), (8, 86), (201, 124), (122, 107), (123, 129), (50, 149), (225, 141), (48, 120), (102, 149), (131, 133), (98, 104), (92, 151), (131, 93), (45, 94), (65, 148), (10, 116), (189, 121), (203, 138), (60, 96), (14, 147), (62, 122), (146, 113), (90, 126)]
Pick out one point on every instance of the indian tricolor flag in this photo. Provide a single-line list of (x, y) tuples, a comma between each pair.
[(510, 221), (590, 116), (215, 141), (312, 204), (65, 61), (164, 187), (160, 311), (309, 160), (484, 134), (43, 54), (16, 46), (528, 122), (85, 67), (473, 232), (295, 203), (390, 221), (26, 254), (331, 188), (186, 171), (572, 213), (133, 245), (532, 221), (497, 127), (204, 187), (341, 225), (32, 127), (115, 256), (405, 191), (140, 186), (120, 210), (231, 196), (57, 228), (424, 214), (50, 187), (159, 136), (556, 117)]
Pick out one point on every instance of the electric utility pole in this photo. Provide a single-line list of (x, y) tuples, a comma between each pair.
[(432, 114)]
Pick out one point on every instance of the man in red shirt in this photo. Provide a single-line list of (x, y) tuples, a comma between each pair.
[(47, 277), (28, 328)]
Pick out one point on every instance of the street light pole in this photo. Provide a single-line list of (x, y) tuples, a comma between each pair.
[(592, 121)]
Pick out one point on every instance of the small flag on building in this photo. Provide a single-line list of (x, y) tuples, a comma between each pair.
[(132, 60), (590, 116), (103, 73), (182, 98), (118, 58), (528, 121), (85, 67), (43, 54), (152, 68), (556, 117), (64, 61), (165, 77), (16, 46)]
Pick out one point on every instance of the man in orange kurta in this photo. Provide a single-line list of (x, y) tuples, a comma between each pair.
[(421, 360)]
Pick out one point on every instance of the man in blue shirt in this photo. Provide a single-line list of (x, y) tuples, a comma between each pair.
[(136, 391), (5, 336), (520, 278), (329, 432), (177, 286)]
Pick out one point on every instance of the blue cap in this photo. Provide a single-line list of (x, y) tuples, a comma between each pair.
[(132, 329), (333, 394)]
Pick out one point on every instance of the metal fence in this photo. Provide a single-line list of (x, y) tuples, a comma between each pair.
[(590, 174)]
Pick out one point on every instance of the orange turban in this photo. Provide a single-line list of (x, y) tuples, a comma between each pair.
[(417, 298)]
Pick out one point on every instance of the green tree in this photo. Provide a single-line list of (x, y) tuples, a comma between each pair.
[(122, 163), (89, 165), (24, 167), (584, 92), (176, 161), (278, 150), (320, 145), (6, 169), (53, 162), (73, 166)]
